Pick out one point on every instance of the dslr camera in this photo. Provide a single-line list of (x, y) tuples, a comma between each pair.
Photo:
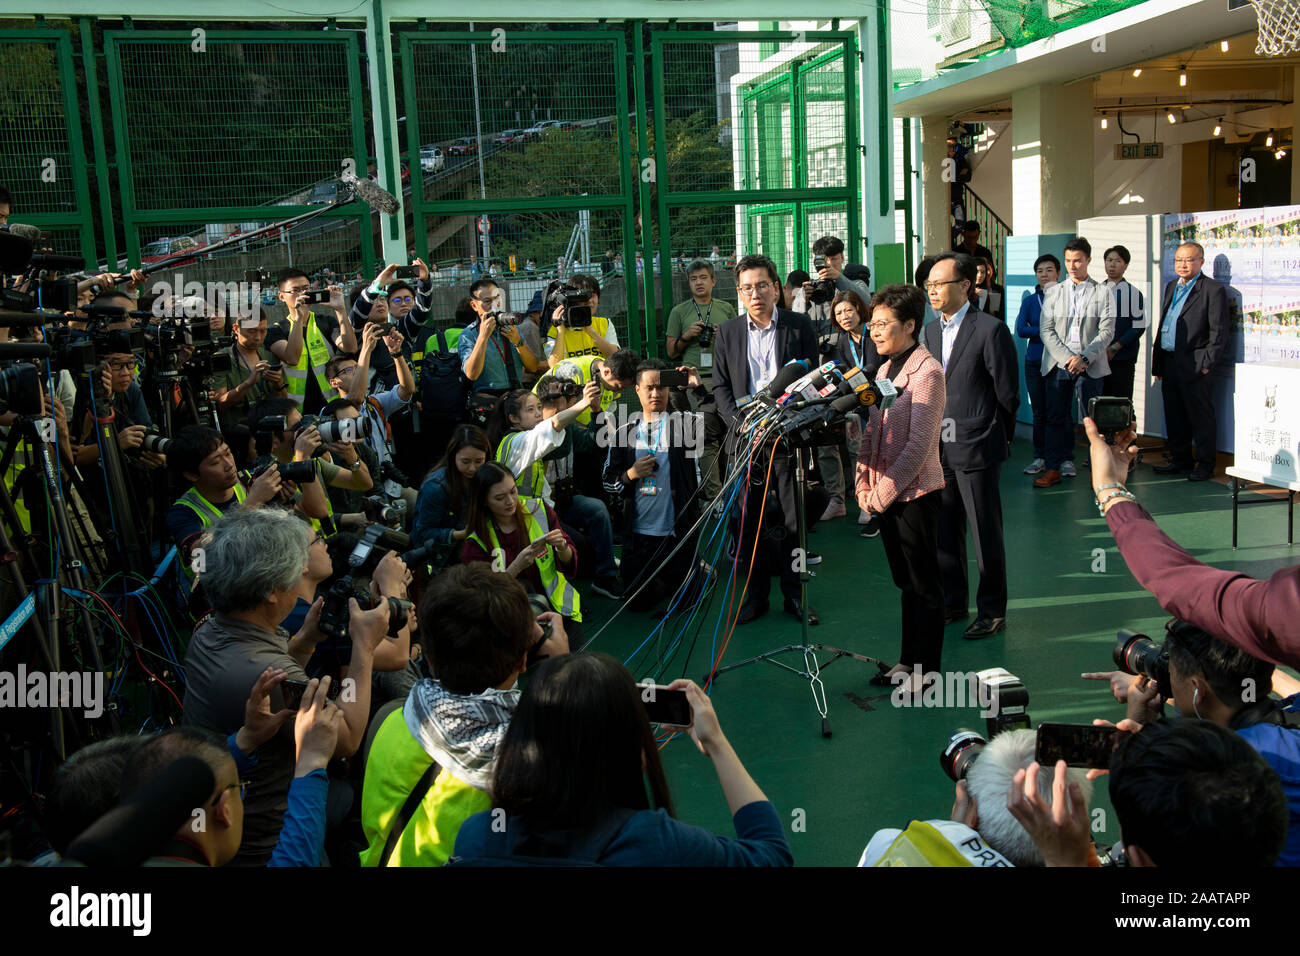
[(376, 541), (296, 471), (823, 290), (1008, 702), (1137, 654), (707, 333)]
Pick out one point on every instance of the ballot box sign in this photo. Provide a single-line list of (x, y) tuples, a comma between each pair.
[(1267, 426)]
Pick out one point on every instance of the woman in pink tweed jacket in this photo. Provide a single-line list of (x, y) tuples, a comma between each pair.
[(898, 474)]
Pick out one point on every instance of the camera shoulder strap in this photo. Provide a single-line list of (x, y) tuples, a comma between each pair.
[(413, 800)]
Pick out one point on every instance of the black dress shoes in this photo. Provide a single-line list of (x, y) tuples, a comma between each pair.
[(952, 615), (1200, 474), (1172, 468), (752, 612), (794, 610), (984, 627)]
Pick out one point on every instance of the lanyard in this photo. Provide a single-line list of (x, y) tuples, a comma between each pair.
[(858, 354), (705, 317), (644, 430)]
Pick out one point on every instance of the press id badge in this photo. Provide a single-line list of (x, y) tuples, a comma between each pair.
[(649, 485), (1074, 340), (706, 360)]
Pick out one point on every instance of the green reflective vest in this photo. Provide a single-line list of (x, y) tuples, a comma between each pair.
[(316, 353), (563, 596), (536, 472), (207, 512)]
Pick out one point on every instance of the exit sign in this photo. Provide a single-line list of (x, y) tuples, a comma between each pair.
[(1139, 150)]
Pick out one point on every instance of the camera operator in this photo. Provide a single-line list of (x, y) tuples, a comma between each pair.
[(828, 264), (316, 728), (492, 362), (255, 374), (648, 469), (613, 374), (536, 447), (296, 443), (308, 340), (1217, 682), (350, 378), (201, 458), (598, 337), (1187, 793), (258, 563), (1260, 617), (479, 632), (980, 828), (691, 328), (574, 769)]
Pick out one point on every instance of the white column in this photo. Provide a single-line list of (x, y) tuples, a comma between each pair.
[(936, 234), (1051, 158)]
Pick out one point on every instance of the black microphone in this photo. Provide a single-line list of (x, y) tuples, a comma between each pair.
[(372, 194), (26, 320), (142, 821), (24, 350), (57, 263), (788, 374)]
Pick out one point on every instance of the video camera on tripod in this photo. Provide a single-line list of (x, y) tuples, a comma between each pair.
[(376, 541)]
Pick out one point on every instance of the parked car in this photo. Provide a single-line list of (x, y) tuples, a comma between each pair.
[(508, 136), (465, 146), (544, 127), (160, 249), (432, 159)]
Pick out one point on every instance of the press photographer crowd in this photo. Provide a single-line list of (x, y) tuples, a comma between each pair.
[(322, 583)]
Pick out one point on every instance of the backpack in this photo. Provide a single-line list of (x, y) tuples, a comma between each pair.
[(442, 387)]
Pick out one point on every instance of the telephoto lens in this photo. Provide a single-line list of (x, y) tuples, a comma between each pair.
[(155, 442), (963, 747), (1139, 655), (299, 471), (508, 318), (344, 429)]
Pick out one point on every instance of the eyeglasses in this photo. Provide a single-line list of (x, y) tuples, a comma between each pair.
[(120, 366), (319, 537), (488, 300), (400, 299), (940, 283), (241, 784), (880, 326), (297, 290), (346, 371), (759, 289)]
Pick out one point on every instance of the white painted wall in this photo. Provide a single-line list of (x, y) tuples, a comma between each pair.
[(992, 178)]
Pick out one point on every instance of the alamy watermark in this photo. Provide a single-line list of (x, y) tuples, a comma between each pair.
[(625, 427), (196, 300), (78, 690), (945, 689)]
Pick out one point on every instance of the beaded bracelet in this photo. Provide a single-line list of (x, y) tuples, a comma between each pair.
[(1101, 505), (1097, 494)]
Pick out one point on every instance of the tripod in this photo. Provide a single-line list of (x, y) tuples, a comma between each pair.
[(812, 668)]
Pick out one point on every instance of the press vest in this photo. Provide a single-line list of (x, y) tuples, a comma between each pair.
[(316, 353), (536, 471), (207, 512), (580, 370), (562, 595)]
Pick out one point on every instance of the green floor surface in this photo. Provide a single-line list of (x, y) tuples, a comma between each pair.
[(1069, 592)]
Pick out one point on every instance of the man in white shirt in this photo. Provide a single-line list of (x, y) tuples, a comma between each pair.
[(1077, 324)]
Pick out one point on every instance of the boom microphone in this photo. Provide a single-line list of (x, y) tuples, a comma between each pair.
[(372, 194), (57, 263), (24, 350), (142, 821), (31, 233)]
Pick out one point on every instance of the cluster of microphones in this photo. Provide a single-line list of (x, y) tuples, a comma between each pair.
[(809, 399)]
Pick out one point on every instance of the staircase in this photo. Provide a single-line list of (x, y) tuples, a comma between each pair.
[(993, 230)]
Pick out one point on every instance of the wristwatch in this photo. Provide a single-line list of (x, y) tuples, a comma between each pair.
[(356, 465)]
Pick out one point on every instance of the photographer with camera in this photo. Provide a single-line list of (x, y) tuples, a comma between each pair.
[(648, 468), (577, 329), (309, 340), (1260, 617), (283, 439), (200, 457), (379, 409), (613, 374), (691, 328), (443, 504), (1188, 794), (258, 563), (255, 374), (1217, 682), (534, 441), (574, 768), (980, 831), (493, 355), (478, 631), (523, 537)]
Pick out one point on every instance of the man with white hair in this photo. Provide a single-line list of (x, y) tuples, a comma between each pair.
[(257, 563), (981, 830)]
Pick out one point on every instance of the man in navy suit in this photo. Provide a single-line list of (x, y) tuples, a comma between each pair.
[(1193, 330), (747, 353), (981, 371)]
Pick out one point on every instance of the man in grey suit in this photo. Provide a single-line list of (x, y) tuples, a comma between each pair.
[(1077, 324), (982, 379)]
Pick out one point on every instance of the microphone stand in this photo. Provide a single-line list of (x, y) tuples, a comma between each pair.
[(812, 668)]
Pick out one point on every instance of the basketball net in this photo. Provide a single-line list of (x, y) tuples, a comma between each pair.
[(1279, 26)]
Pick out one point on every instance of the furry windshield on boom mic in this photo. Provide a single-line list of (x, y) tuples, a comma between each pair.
[(372, 194)]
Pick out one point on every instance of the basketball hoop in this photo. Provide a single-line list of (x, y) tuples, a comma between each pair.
[(1279, 26)]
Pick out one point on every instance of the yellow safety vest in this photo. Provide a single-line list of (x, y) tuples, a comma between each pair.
[(207, 512), (580, 370), (578, 343), (536, 472), (563, 596), (316, 353)]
